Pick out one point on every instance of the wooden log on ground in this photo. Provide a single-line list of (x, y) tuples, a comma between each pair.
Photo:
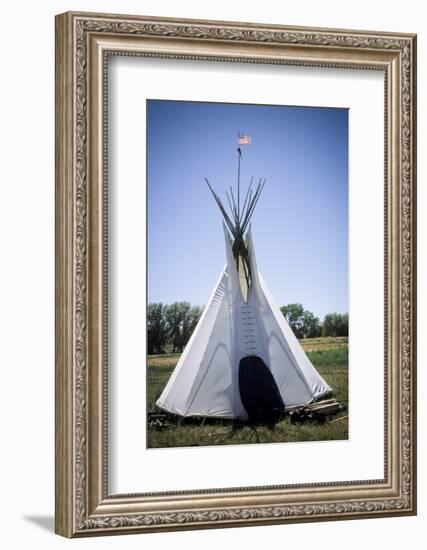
[(338, 419), (328, 408)]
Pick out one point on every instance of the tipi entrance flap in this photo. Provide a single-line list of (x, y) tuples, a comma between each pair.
[(258, 390)]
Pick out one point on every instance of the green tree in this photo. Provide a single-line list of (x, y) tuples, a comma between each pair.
[(294, 314), (156, 328), (311, 325), (181, 320), (335, 324), (173, 319), (304, 323), (185, 324), (170, 324)]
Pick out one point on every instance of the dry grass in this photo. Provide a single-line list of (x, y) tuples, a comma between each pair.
[(327, 343)]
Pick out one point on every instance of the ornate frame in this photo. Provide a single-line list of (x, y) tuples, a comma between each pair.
[(83, 506)]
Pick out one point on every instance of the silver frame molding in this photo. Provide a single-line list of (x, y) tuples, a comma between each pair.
[(83, 43)]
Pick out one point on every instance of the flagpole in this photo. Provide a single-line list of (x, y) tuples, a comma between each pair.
[(238, 176)]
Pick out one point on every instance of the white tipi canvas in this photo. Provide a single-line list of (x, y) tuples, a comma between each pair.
[(234, 325)]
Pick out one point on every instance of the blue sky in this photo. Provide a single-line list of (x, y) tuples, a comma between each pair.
[(300, 225)]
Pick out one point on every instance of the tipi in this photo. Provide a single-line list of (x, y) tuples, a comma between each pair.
[(242, 360)]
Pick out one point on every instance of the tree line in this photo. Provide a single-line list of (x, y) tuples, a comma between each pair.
[(305, 324), (170, 326)]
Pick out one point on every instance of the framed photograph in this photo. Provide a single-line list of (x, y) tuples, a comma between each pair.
[(235, 274)]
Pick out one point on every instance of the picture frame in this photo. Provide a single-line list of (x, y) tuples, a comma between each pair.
[(84, 506)]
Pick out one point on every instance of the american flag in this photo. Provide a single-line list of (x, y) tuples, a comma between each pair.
[(244, 139)]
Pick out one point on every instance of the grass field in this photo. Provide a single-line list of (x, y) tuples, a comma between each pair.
[(328, 355)]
